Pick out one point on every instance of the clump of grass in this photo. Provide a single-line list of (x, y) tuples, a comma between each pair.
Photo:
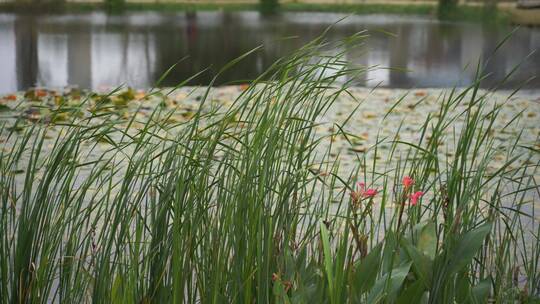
[(244, 204)]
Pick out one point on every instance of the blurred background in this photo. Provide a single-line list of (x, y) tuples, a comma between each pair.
[(100, 45)]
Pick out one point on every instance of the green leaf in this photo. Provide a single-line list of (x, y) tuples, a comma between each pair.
[(422, 265), (412, 294), (390, 254), (427, 241), (308, 287), (365, 271), (381, 289), (280, 293), (327, 260), (462, 288), (289, 263), (467, 247), (117, 293), (480, 292)]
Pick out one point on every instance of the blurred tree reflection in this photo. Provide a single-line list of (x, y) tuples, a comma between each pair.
[(268, 6), (26, 46)]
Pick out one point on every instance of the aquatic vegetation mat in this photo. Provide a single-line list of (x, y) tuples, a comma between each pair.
[(295, 189)]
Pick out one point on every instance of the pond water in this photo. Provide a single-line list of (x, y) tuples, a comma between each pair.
[(96, 50)]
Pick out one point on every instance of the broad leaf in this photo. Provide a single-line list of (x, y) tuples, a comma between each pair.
[(467, 247), (365, 272), (427, 240), (389, 286), (412, 294), (422, 265), (462, 288), (480, 292), (390, 255)]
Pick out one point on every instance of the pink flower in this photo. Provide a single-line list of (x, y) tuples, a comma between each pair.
[(370, 192), (415, 197), (407, 181), (362, 192)]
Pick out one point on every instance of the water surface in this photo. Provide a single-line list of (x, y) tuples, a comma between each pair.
[(97, 50)]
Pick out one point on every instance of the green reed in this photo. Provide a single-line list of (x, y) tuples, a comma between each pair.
[(238, 204)]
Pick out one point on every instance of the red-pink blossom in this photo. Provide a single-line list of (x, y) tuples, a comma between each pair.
[(407, 181), (370, 192), (415, 197), (362, 192)]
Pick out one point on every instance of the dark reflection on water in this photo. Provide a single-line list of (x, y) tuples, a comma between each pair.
[(95, 50)]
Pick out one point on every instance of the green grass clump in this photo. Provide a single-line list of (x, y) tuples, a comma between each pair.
[(245, 204)]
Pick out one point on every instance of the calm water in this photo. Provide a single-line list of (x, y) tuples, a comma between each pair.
[(96, 50)]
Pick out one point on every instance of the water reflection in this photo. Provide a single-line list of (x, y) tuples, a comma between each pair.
[(97, 50)]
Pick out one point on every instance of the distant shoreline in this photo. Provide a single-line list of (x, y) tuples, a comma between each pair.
[(506, 12), (469, 12)]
